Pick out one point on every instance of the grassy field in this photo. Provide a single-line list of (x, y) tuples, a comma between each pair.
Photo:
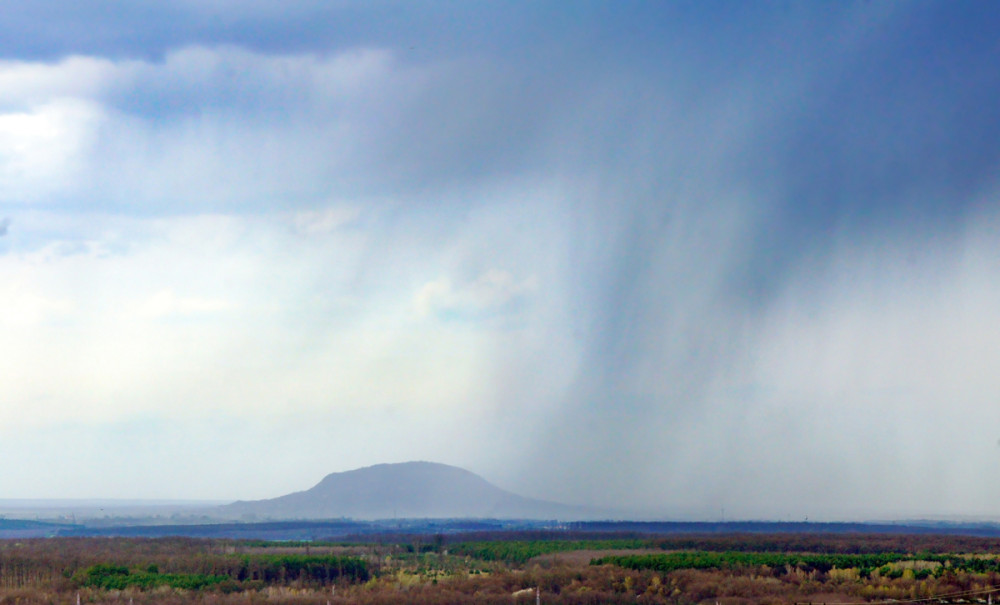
[(729, 570)]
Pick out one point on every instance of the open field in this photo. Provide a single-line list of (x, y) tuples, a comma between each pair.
[(680, 570)]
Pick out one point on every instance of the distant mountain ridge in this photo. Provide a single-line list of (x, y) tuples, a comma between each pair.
[(414, 490)]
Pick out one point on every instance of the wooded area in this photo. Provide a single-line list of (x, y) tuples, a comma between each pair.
[(736, 569)]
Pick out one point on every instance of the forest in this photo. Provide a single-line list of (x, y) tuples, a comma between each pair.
[(552, 567)]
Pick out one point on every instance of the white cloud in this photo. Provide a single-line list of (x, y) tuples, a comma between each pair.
[(213, 314), (20, 307), (24, 84), (166, 303), (219, 127), (318, 222), (491, 293), (42, 150)]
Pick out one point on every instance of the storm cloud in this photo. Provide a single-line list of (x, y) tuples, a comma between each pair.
[(671, 258)]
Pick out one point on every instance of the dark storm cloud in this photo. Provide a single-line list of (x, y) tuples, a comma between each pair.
[(901, 124), (879, 129), (690, 249), (889, 130)]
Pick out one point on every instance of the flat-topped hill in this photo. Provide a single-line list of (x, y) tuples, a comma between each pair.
[(403, 490)]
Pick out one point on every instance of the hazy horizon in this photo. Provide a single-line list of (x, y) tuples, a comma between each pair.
[(673, 256), (216, 511)]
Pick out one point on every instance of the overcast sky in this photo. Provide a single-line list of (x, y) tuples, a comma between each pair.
[(676, 257)]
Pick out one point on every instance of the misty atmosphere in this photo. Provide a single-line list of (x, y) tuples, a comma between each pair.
[(678, 260)]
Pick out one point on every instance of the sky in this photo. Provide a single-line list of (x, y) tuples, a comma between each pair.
[(685, 258)]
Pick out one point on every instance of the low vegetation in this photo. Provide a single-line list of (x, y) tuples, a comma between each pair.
[(569, 569)]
